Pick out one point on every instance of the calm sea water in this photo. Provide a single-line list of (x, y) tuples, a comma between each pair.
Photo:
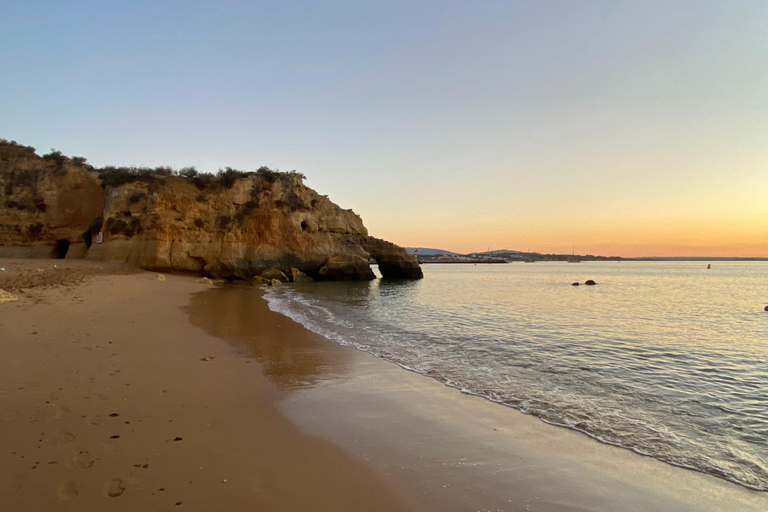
[(667, 359)]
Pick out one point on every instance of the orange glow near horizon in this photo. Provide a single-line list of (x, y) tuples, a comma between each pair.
[(613, 233)]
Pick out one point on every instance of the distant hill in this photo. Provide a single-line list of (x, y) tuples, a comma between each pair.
[(499, 252), (425, 251)]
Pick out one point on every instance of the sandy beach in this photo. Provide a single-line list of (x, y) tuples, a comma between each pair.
[(111, 400), (126, 392)]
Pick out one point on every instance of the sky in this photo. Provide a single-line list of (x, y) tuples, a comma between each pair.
[(621, 128)]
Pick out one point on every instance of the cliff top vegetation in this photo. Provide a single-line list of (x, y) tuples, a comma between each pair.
[(114, 176)]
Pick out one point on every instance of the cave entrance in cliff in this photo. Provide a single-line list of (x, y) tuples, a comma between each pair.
[(60, 249)]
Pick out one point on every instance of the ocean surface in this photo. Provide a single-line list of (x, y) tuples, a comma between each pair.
[(667, 359)]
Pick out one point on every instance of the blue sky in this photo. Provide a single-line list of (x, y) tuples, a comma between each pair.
[(622, 127)]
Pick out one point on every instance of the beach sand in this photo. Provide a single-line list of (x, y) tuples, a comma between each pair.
[(128, 393), (111, 400)]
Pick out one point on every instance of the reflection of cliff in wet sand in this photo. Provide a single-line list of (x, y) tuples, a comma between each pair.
[(290, 356)]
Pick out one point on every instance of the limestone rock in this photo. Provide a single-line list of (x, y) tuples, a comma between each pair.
[(204, 280), (275, 282), (236, 225), (393, 260), (273, 273), (6, 297), (346, 267), (259, 281), (160, 277), (297, 276)]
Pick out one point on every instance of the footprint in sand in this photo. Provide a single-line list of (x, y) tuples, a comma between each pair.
[(61, 411), (115, 488), (15, 482), (61, 436), (64, 436), (36, 416), (81, 460), (68, 491), (94, 419)]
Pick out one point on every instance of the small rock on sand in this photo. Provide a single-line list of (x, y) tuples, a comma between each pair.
[(7, 297), (160, 277), (204, 280)]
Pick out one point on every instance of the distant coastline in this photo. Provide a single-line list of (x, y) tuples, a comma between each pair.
[(426, 255)]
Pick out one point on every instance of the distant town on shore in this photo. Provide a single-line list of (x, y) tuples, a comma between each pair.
[(428, 255)]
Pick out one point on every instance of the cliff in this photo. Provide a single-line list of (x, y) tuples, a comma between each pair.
[(232, 225)]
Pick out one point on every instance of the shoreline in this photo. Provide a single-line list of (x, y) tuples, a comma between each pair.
[(430, 438), (271, 414)]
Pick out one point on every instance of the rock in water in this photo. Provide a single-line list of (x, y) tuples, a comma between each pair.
[(275, 282), (574, 284), (297, 276), (766, 308), (394, 261), (204, 280), (6, 297), (348, 267), (590, 282), (273, 273), (259, 281)]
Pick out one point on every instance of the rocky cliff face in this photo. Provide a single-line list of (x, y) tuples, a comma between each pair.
[(234, 225)]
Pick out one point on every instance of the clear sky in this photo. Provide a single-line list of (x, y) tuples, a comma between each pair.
[(623, 128)]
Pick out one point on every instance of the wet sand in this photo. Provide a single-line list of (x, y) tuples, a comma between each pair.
[(447, 450), (111, 400)]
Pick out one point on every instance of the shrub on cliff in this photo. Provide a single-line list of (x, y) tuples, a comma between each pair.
[(9, 148), (115, 176), (35, 229)]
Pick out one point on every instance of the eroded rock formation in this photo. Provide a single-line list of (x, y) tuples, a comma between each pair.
[(235, 225)]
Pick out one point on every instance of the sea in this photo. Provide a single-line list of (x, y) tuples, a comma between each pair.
[(667, 359)]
